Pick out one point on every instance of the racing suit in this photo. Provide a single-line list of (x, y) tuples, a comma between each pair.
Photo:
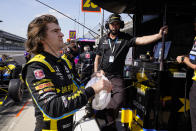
[(56, 92)]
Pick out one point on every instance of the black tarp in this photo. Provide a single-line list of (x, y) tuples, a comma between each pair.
[(148, 18), (148, 6)]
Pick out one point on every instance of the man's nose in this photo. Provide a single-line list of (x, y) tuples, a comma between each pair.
[(61, 34)]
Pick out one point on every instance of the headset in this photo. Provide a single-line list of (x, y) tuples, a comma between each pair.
[(118, 17)]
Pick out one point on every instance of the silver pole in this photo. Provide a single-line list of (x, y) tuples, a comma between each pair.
[(84, 24), (102, 24)]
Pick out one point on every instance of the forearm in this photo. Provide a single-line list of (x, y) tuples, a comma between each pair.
[(188, 63), (96, 63), (55, 105), (147, 39)]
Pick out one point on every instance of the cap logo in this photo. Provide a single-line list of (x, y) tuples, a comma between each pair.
[(115, 17)]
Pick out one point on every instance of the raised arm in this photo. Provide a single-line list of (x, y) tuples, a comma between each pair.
[(151, 38)]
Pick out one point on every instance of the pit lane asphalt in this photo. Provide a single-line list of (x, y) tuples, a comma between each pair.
[(11, 109)]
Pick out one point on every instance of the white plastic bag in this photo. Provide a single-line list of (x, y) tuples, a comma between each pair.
[(102, 99)]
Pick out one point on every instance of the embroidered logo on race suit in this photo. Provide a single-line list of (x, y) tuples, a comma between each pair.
[(39, 74), (46, 90), (77, 79), (49, 99), (41, 86), (67, 125), (87, 56), (42, 81), (64, 101), (69, 75), (58, 73), (66, 69), (47, 94)]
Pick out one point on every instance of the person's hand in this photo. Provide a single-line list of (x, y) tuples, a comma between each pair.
[(98, 73), (163, 31), (179, 59), (102, 72), (102, 85)]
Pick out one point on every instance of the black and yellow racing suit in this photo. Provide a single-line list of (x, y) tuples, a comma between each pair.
[(56, 92)]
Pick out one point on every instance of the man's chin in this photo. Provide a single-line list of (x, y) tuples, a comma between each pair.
[(61, 44), (114, 32)]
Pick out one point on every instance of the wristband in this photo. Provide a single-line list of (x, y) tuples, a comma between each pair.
[(182, 59)]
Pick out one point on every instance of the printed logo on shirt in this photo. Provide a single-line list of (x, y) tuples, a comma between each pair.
[(39, 74), (118, 42), (87, 56), (105, 42), (192, 57)]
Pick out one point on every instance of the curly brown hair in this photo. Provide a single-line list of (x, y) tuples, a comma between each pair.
[(37, 32)]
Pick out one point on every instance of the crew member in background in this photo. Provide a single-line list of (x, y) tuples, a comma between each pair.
[(190, 61), (3, 58), (27, 56), (86, 61), (10, 67), (55, 90), (73, 52), (110, 58)]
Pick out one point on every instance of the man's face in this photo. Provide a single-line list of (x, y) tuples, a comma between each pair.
[(54, 37), (114, 27), (73, 46)]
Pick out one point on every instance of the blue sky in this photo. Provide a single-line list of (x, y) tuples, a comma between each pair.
[(17, 14)]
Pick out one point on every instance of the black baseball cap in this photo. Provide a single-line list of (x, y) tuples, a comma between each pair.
[(114, 18)]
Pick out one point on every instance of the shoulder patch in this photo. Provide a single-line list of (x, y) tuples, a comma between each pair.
[(39, 74)]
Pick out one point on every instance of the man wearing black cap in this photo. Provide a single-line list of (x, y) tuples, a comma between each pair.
[(110, 58), (190, 61)]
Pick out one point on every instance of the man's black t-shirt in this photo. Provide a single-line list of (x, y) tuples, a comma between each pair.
[(87, 60), (118, 49)]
